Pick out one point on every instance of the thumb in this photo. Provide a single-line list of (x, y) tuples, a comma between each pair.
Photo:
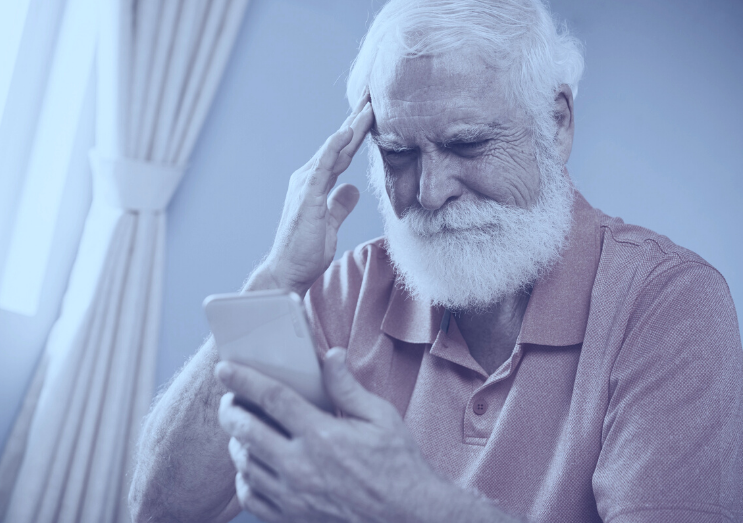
[(348, 394), (341, 202)]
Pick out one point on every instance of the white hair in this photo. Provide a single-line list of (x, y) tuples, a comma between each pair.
[(471, 255), (518, 37)]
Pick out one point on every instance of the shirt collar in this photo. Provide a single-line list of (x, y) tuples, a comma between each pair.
[(557, 313), (410, 320)]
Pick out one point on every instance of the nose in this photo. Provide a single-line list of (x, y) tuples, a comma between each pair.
[(437, 183)]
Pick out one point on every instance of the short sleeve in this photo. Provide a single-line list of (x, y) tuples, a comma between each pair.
[(673, 431), (332, 301)]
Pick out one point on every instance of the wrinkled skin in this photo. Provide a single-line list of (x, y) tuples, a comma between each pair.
[(445, 131), (308, 231), (362, 467), (365, 466)]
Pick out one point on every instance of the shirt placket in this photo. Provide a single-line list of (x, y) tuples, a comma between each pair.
[(486, 402), (487, 399)]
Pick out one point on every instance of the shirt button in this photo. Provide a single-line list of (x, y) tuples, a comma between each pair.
[(479, 407)]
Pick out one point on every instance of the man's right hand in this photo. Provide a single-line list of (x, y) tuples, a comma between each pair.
[(306, 239)]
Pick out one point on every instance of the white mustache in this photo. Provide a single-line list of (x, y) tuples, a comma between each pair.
[(481, 214), (473, 252)]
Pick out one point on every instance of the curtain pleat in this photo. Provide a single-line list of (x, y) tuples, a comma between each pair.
[(211, 59), (84, 422), (15, 447), (59, 412), (106, 474), (144, 381), (146, 22), (159, 64), (191, 17), (155, 79)]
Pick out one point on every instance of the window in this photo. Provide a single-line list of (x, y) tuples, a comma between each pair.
[(45, 67)]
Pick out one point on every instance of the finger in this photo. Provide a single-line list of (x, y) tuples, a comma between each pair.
[(255, 503), (360, 125), (239, 454), (365, 97), (264, 442), (341, 202), (243, 460), (277, 400), (323, 163), (350, 396), (263, 480), (360, 104)]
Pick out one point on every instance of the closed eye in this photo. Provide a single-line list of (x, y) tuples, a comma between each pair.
[(395, 151), (467, 145), (468, 149), (397, 156)]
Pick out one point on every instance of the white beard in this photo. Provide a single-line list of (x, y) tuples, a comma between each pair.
[(471, 255)]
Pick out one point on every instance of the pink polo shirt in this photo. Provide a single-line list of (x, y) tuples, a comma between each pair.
[(621, 402)]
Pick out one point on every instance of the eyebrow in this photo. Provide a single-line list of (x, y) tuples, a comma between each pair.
[(389, 142), (467, 134), (474, 133)]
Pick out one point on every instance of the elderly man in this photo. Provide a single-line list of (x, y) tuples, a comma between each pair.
[(508, 351)]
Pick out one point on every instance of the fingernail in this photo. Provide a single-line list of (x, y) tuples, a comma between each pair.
[(224, 371), (335, 350)]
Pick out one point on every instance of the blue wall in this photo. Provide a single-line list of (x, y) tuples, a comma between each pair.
[(658, 137), (658, 142)]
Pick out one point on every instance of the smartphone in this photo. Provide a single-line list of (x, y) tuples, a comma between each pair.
[(269, 331)]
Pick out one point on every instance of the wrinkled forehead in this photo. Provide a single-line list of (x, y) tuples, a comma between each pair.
[(399, 77), (440, 90)]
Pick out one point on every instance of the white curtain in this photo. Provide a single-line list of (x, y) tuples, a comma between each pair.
[(159, 64)]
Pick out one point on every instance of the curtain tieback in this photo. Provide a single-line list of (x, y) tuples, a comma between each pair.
[(133, 185)]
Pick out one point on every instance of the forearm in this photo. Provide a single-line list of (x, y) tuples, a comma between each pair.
[(442, 501), (183, 471), (183, 468)]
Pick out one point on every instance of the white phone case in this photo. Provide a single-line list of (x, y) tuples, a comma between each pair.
[(269, 331)]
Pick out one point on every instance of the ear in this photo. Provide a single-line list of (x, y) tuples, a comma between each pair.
[(563, 114)]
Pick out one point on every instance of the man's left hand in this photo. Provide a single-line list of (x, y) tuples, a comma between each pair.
[(362, 467)]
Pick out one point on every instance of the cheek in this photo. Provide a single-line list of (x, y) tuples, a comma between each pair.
[(507, 174), (402, 187)]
